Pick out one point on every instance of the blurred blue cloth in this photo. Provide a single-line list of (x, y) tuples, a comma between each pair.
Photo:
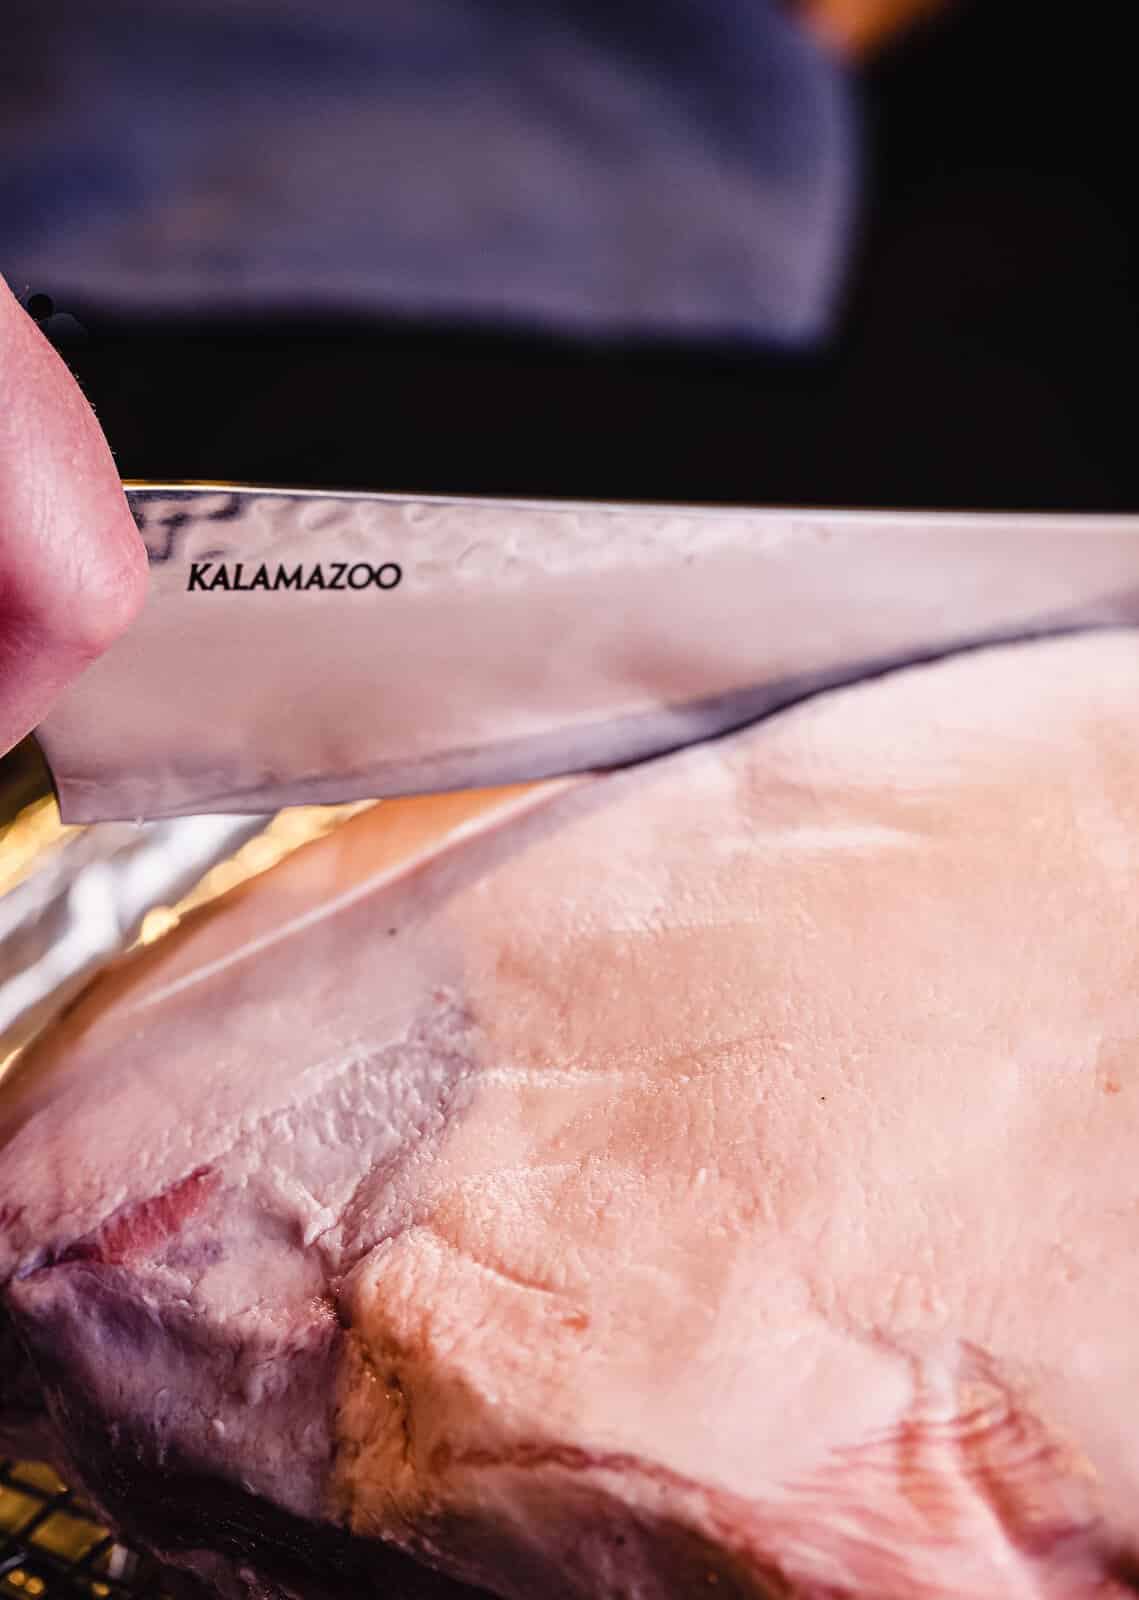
[(675, 167)]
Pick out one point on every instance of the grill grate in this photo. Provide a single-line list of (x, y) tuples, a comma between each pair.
[(52, 1545)]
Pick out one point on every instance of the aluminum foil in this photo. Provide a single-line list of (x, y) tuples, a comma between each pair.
[(71, 899), (85, 897)]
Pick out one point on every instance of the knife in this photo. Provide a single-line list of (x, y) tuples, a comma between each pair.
[(301, 647)]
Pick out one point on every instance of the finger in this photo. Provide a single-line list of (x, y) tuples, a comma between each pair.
[(72, 565)]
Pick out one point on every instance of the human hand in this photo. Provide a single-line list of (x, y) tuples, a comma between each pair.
[(72, 565)]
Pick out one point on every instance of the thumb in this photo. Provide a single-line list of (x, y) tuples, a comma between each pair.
[(72, 565)]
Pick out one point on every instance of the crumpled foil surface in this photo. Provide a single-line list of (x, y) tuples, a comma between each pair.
[(71, 899)]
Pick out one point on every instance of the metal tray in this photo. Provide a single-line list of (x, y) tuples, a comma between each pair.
[(51, 1544)]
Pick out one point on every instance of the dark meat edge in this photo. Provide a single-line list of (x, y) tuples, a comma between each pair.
[(200, 1512)]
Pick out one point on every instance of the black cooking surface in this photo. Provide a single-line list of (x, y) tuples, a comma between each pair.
[(52, 1545)]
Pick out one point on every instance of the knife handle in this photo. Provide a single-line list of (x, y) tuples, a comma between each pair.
[(24, 778)]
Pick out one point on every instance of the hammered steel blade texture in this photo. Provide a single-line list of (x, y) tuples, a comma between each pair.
[(305, 648)]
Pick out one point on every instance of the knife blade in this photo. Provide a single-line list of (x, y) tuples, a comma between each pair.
[(302, 647)]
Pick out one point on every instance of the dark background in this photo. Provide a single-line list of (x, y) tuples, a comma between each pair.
[(985, 356)]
